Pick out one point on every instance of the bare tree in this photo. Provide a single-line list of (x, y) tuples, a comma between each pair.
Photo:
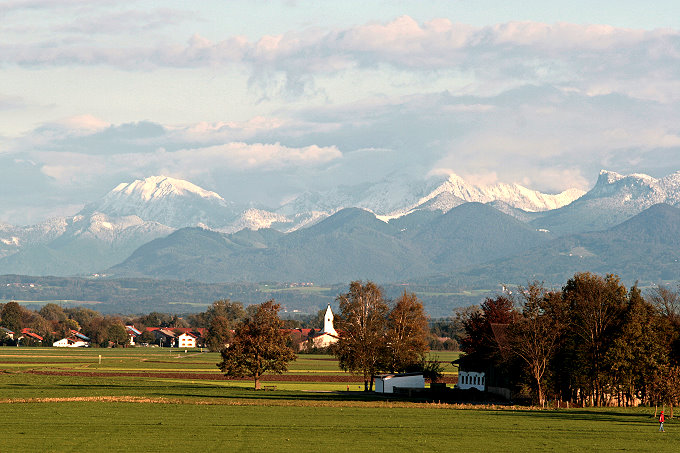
[(667, 301), (534, 337)]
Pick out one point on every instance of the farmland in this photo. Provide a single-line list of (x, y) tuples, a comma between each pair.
[(142, 398)]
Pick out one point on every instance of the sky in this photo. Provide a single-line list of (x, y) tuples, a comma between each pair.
[(262, 100)]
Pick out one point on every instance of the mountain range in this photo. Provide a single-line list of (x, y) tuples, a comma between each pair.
[(442, 229)]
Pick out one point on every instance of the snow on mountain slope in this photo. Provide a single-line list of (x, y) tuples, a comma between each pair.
[(456, 189), (397, 195), (613, 199), (172, 202), (255, 219), (107, 229), (13, 238)]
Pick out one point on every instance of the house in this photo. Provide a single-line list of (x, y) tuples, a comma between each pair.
[(483, 374), (75, 340), (186, 340), (70, 342), (31, 337), (386, 383), (132, 334), (7, 332), (165, 337)]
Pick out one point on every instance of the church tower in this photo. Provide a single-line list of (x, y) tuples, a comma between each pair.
[(328, 322)]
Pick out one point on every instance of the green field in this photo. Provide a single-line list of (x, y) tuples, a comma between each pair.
[(121, 408)]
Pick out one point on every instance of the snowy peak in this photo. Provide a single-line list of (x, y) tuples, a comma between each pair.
[(456, 190), (636, 186), (169, 201), (159, 187)]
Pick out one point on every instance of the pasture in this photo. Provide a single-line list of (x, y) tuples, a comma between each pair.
[(148, 398)]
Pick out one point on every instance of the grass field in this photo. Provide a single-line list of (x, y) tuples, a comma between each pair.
[(116, 411)]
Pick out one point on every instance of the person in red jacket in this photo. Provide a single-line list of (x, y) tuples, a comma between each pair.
[(661, 420)]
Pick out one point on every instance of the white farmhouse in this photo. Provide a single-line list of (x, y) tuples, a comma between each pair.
[(472, 380), (186, 340), (70, 343)]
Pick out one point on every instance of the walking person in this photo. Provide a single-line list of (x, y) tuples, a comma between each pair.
[(661, 420)]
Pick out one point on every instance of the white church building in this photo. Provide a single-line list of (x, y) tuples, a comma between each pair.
[(328, 335)]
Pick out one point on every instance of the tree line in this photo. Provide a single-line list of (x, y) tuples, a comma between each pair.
[(375, 335), (593, 342)]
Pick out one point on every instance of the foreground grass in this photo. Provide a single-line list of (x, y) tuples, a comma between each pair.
[(56, 413), (117, 413)]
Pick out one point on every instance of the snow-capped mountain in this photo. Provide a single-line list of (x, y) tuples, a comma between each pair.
[(396, 196), (78, 244), (13, 238), (455, 191), (613, 199), (169, 201)]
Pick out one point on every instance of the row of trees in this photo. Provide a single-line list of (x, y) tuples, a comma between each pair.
[(53, 322), (592, 342), (374, 335)]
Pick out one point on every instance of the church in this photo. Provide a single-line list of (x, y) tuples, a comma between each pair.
[(328, 335)]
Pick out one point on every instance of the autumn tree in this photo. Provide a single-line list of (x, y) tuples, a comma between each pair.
[(258, 345), (407, 333), (534, 337), (639, 349), (362, 325), (479, 341), (596, 305)]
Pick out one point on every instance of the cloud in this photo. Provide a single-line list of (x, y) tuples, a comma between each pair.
[(126, 21), (592, 58)]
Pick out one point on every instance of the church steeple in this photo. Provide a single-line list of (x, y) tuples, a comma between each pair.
[(328, 322)]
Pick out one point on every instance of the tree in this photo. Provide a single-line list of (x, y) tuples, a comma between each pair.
[(362, 326), (147, 337), (407, 333), (479, 341), (667, 301), (597, 305), (638, 351), (534, 337), (11, 316), (53, 313), (259, 346), (219, 333), (116, 334)]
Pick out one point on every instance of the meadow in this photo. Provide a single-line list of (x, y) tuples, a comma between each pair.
[(142, 398)]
